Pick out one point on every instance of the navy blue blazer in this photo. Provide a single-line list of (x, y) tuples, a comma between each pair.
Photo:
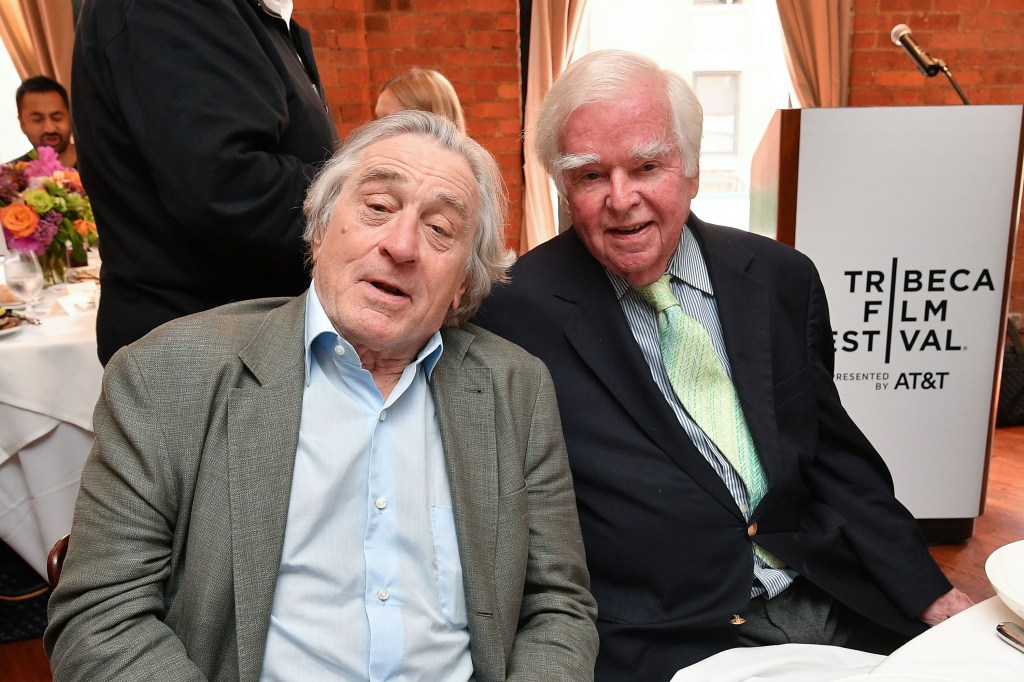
[(667, 547)]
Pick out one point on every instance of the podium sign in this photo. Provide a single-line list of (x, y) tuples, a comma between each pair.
[(910, 215)]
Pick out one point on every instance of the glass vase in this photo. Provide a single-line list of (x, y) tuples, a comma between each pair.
[(55, 268)]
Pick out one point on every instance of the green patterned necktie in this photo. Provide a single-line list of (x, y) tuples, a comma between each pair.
[(706, 391)]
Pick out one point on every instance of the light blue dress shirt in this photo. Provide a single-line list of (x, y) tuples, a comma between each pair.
[(370, 586), (692, 286)]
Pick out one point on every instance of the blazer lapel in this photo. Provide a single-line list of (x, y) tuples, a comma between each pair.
[(744, 313), (263, 434), (600, 334), (464, 402)]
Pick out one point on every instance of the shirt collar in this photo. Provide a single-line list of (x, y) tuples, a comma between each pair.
[(687, 264), (318, 324), (281, 8)]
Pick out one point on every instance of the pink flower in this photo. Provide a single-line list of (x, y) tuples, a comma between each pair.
[(46, 165)]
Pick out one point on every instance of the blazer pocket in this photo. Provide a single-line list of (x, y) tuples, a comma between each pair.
[(451, 593)]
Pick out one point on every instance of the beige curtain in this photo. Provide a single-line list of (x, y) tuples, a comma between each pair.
[(553, 31), (817, 34), (39, 35)]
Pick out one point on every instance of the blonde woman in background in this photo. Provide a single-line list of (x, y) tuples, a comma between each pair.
[(423, 89)]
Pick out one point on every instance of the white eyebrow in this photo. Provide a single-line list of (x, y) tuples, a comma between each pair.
[(568, 162), (650, 150)]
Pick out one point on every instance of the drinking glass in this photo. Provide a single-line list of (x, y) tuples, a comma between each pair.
[(24, 276)]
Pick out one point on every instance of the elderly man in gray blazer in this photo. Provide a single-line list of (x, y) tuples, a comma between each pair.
[(353, 484)]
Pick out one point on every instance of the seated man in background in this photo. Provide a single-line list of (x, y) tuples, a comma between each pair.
[(347, 485), (43, 113), (726, 497)]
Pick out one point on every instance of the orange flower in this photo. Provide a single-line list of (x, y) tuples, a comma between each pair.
[(84, 227), (74, 178), (19, 219)]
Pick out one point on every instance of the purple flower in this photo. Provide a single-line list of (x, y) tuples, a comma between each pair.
[(26, 243)]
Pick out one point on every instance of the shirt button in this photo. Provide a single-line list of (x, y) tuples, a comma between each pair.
[(752, 530), (381, 503), (383, 415), (339, 349), (383, 594)]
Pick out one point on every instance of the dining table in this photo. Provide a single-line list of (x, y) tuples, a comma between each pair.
[(964, 648), (49, 383)]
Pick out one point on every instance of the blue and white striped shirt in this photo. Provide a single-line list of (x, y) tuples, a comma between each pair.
[(692, 286)]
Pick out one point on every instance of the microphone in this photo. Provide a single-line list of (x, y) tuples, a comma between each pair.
[(925, 64)]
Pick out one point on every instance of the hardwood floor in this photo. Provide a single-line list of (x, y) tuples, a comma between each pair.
[(1002, 522)]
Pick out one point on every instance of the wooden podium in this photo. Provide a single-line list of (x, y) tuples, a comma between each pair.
[(910, 214)]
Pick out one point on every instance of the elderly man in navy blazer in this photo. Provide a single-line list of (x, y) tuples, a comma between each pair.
[(780, 526), (348, 485)]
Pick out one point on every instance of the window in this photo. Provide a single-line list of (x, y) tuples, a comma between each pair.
[(12, 142), (719, 94)]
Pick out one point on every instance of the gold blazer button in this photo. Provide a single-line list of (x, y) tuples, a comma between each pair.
[(752, 530), (737, 619)]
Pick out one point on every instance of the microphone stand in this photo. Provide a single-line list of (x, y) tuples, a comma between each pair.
[(946, 72)]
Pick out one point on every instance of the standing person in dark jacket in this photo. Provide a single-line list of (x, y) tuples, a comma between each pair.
[(199, 127)]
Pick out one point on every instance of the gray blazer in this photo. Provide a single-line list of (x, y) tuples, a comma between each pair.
[(180, 521)]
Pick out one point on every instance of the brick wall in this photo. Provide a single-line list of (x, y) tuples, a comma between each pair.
[(360, 44), (982, 42)]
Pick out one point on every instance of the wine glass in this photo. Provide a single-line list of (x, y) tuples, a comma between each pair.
[(24, 276)]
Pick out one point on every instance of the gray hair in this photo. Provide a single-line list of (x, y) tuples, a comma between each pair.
[(490, 258), (603, 76)]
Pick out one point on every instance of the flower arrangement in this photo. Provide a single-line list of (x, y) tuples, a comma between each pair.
[(43, 206)]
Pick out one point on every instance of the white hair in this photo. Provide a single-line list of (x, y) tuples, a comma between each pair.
[(490, 258), (604, 76)]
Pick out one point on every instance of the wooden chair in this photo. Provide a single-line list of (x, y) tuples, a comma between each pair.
[(55, 561)]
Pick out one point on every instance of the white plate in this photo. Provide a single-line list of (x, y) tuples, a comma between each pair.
[(896, 677), (1005, 570), (11, 330)]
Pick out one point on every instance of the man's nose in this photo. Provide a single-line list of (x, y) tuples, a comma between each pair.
[(401, 242), (622, 194)]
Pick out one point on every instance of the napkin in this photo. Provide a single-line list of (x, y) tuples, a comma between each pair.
[(79, 298), (782, 662)]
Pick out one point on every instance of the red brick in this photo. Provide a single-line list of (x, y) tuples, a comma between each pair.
[(492, 39), (509, 91), (439, 39), (511, 126), (905, 78), (440, 6), (419, 23), (390, 41), (493, 74), (990, 21), (499, 110)]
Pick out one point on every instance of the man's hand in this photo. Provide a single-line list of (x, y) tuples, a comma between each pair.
[(949, 604)]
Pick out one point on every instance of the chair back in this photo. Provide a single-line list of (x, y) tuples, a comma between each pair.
[(55, 561)]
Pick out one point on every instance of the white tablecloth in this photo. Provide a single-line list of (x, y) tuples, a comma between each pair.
[(49, 383), (965, 647)]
